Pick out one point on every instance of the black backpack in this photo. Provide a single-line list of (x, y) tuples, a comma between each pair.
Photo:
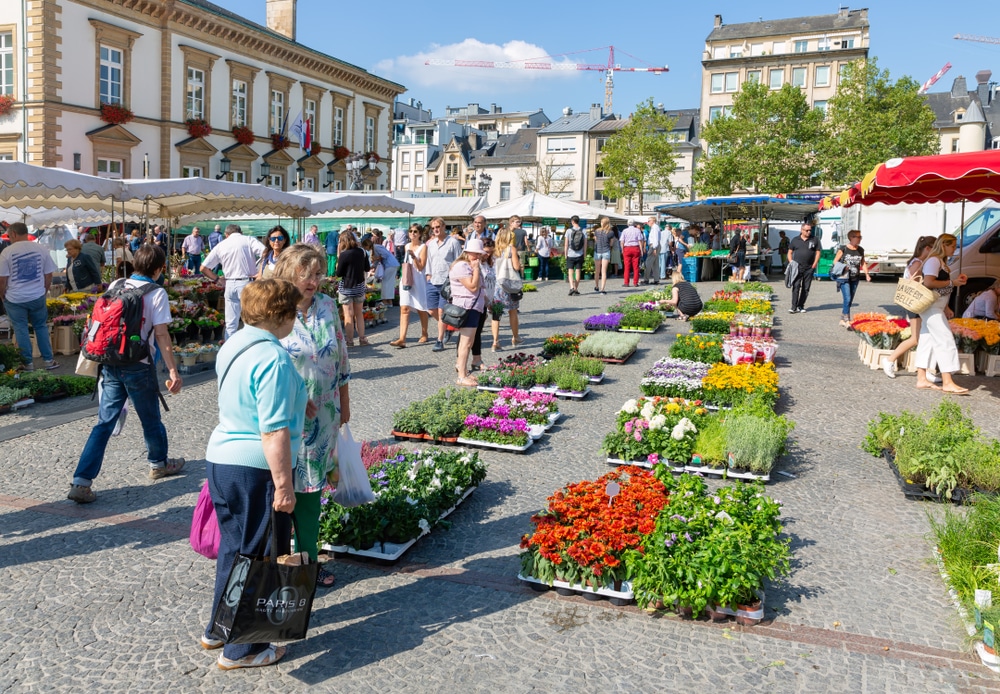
[(576, 240)]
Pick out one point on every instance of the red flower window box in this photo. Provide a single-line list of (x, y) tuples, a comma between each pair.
[(116, 114), (198, 127), (7, 102), (341, 152), (243, 135), (279, 141)]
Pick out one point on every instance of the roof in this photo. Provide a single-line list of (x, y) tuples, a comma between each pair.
[(516, 149), (747, 206), (238, 19), (853, 19), (574, 123)]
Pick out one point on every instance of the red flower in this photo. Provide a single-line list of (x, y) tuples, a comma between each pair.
[(116, 114), (243, 135)]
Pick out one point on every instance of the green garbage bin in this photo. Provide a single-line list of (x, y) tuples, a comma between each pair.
[(530, 272)]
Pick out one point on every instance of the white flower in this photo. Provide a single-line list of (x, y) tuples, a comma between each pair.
[(648, 410), (657, 422), (424, 525), (459, 491), (411, 501), (630, 406), (346, 517), (435, 483)]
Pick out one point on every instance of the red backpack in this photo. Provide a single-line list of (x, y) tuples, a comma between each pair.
[(114, 334)]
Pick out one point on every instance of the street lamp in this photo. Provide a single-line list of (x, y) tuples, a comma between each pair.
[(265, 171), (224, 167), (300, 174), (356, 166), (330, 176), (483, 183)]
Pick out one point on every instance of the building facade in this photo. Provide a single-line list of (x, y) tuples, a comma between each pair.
[(133, 88), (807, 52), (967, 120)]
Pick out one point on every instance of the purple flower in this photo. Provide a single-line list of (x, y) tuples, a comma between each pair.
[(604, 321), (687, 536)]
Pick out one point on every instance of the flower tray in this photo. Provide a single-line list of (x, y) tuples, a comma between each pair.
[(537, 431), (553, 418), (990, 660), (20, 404), (618, 598), (918, 492), (612, 360), (594, 380), (547, 390), (672, 466), (746, 617), (189, 369), (444, 441), (390, 552), (647, 331), (496, 446), (51, 398), (492, 389), (573, 395)]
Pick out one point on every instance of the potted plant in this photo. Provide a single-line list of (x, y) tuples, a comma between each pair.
[(243, 135), (755, 442), (7, 102), (340, 152), (8, 396), (609, 346), (279, 141), (116, 114), (198, 127)]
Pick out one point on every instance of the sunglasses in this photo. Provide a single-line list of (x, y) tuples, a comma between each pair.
[(273, 239)]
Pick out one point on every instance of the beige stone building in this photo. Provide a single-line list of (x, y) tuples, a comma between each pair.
[(165, 63), (808, 52)]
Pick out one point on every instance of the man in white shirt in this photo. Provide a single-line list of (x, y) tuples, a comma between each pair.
[(137, 383), (651, 273), (238, 255), (442, 250), (192, 248), (26, 269)]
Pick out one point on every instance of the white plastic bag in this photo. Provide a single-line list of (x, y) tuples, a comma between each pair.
[(353, 488)]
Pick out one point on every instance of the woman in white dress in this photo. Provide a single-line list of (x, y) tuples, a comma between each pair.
[(413, 296)]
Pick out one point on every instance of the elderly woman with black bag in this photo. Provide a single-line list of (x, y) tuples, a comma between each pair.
[(251, 461)]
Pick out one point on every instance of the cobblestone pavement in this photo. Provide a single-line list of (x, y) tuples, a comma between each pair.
[(109, 597)]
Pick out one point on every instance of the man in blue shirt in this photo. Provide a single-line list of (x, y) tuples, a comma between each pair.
[(216, 237)]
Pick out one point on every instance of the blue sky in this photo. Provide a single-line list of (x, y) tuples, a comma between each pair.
[(908, 38)]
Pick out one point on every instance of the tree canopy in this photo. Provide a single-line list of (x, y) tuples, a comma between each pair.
[(641, 156), (873, 119), (766, 144)]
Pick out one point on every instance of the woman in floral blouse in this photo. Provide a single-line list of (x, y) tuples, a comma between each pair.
[(319, 351)]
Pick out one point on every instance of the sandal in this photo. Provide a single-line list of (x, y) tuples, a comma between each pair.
[(363, 341), (476, 367), (929, 386), (269, 656), (423, 340), (398, 344), (958, 391), (497, 347), (325, 578), (467, 382)]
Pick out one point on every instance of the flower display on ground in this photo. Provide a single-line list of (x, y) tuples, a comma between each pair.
[(565, 343), (701, 348), (535, 408), (495, 429), (674, 378), (655, 429), (603, 321), (732, 384)]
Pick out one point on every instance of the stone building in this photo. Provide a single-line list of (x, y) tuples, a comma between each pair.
[(127, 88), (967, 120)]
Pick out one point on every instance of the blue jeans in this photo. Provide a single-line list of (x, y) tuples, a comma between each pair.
[(242, 497), (665, 257), (193, 262), (543, 267), (136, 382), (36, 313), (848, 288)]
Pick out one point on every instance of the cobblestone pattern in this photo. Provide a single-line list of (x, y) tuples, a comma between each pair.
[(109, 597)]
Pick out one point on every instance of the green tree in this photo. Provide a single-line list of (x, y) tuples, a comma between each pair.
[(873, 119), (765, 145), (641, 156)]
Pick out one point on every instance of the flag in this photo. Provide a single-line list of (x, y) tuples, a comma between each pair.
[(307, 139), (284, 125), (296, 128)]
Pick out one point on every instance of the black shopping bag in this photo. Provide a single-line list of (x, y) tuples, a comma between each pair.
[(265, 601)]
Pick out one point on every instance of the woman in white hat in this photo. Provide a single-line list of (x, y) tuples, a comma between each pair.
[(467, 292)]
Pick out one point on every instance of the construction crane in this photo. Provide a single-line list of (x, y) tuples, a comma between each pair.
[(929, 83), (543, 64), (979, 39)]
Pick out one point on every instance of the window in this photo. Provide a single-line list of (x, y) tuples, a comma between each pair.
[(7, 62), (109, 168), (736, 51), (418, 182), (847, 43), (437, 179), (959, 116), (801, 46), (753, 76), (191, 172), (9, 156), (954, 144), (338, 127), (775, 78), (338, 184), (599, 173), (727, 111), (369, 134), (406, 161), (821, 105), (719, 52), (404, 182), (309, 113), (718, 82), (419, 160), (308, 183), (732, 81), (561, 144), (111, 75), (276, 181), (601, 141), (823, 44), (195, 105), (277, 113), (778, 48), (822, 75), (714, 112), (239, 103), (451, 171), (239, 176), (756, 49), (798, 77), (504, 191)]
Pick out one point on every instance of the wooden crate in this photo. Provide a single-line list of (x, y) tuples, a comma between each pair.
[(875, 357), (967, 364), (910, 361), (991, 366), (64, 340)]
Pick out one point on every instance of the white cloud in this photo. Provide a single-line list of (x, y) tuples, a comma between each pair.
[(413, 71)]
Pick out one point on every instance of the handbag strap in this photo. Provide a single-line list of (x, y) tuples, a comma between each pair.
[(237, 356)]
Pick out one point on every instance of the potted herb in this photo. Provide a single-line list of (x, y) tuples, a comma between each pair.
[(610, 346), (755, 442), (8, 396)]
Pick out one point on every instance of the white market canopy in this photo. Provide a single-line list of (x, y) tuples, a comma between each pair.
[(727, 207), (27, 191), (192, 199), (330, 204), (449, 208), (537, 207)]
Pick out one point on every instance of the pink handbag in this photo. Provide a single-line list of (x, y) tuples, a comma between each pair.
[(205, 526)]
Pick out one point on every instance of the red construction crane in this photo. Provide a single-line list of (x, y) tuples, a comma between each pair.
[(930, 83), (545, 63)]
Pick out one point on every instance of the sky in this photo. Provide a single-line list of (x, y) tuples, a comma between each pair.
[(912, 38)]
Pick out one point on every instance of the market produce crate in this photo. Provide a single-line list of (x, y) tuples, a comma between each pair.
[(967, 364)]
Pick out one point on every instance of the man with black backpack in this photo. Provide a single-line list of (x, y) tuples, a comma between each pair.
[(118, 336), (575, 251)]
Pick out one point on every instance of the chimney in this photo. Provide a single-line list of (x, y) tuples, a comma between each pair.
[(959, 88), (472, 110), (843, 11), (281, 17), (493, 108), (718, 21), (596, 112), (983, 86)]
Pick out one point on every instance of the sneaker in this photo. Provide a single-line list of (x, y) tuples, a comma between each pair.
[(271, 655), (52, 364), (793, 310), (210, 644), (81, 494), (888, 367), (170, 467), (802, 310), (597, 290), (438, 346), (26, 368), (447, 336)]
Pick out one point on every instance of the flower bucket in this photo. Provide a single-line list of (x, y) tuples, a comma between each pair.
[(533, 261), (531, 271)]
